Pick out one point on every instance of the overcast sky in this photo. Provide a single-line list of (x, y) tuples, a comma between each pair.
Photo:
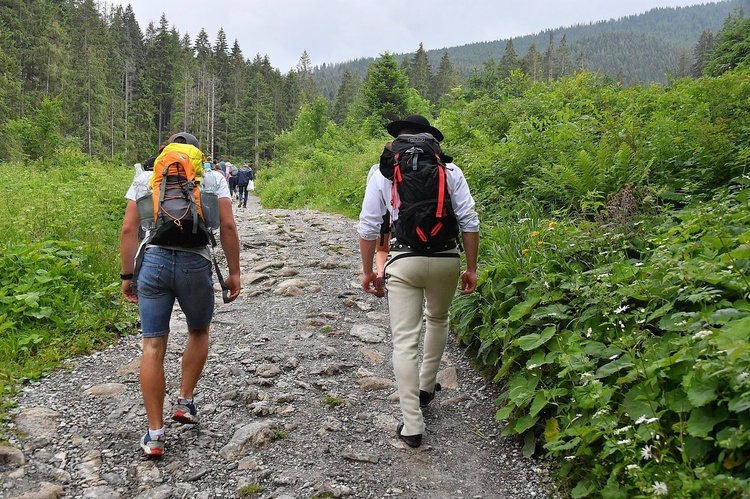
[(342, 30)]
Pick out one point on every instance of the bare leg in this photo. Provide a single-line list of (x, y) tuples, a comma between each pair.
[(152, 379), (193, 360)]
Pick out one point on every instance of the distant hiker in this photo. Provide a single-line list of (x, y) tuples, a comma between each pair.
[(244, 177), (232, 179), (174, 262), (423, 266)]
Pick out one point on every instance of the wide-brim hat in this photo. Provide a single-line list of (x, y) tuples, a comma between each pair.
[(413, 122)]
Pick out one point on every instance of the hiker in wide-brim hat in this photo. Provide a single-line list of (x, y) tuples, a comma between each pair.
[(414, 123)]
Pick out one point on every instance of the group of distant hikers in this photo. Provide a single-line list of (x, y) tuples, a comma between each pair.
[(240, 180), (417, 215)]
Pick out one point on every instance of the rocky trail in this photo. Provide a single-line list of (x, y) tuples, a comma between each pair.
[(297, 399)]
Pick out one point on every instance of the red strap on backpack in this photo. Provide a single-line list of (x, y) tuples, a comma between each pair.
[(397, 179), (441, 190)]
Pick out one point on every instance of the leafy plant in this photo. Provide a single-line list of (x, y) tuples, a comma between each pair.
[(623, 353), (59, 295)]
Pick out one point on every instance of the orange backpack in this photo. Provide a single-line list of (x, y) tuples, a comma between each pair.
[(178, 215)]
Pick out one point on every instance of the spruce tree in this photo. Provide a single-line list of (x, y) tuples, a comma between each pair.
[(445, 79), (420, 73), (344, 97), (702, 53), (509, 61), (385, 93)]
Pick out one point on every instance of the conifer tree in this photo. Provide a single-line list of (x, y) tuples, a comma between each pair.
[(420, 73), (549, 58), (445, 79), (308, 88), (509, 61), (385, 93), (702, 53), (732, 45), (344, 97), (532, 63)]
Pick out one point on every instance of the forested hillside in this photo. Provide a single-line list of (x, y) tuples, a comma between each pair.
[(640, 48), (88, 77)]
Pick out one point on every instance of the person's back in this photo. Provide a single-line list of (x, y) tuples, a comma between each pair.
[(420, 281), (245, 175), (244, 178), (167, 271)]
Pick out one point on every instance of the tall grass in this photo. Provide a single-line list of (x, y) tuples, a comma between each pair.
[(59, 284)]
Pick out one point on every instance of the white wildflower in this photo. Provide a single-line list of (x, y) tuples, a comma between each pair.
[(639, 264), (702, 334), (644, 419), (601, 412), (743, 376), (660, 489), (623, 442), (622, 309), (523, 220), (588, 333), (632, 467), (546, 285), (533, 366), (622, 430), (570, 458), (646, 452)]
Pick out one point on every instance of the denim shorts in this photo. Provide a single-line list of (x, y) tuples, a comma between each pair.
[(166, 275)]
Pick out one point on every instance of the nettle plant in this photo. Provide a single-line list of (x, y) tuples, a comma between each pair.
[(623, 349)]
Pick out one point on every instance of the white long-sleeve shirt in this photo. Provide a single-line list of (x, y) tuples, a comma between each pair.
[(378, 199)]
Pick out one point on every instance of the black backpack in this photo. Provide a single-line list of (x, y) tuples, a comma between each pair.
[(416, 165)]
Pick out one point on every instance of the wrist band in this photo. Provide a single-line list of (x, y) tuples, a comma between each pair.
[(126, 277)]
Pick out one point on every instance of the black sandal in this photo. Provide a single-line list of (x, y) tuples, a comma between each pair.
[(426, 397), (410, 440)]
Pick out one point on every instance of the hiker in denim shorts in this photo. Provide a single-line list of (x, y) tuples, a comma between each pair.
[(167, 274)]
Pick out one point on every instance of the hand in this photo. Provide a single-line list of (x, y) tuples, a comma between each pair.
[(380, 286), (369, 284), (128, 292), (468, 282), (233, 284)]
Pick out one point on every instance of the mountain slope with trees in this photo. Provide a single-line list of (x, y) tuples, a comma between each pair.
[(640, 48), (88, 77)]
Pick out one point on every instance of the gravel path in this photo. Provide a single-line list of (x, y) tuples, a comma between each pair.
[(297, 398)]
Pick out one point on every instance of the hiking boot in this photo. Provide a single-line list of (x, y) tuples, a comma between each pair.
[(153, 446), (426, 397), (185, 411)]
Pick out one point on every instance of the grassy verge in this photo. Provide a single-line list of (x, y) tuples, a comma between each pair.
[(59, 286)]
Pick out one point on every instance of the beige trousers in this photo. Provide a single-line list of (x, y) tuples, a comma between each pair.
[(419, 286)]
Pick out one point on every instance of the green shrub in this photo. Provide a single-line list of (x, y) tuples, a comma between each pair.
[(59, 288)]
